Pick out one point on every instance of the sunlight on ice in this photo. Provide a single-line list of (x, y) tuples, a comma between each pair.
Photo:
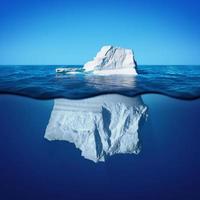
[(112, 60)]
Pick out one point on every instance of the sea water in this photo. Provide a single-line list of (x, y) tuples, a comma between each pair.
[(42, 82), (33, 168)]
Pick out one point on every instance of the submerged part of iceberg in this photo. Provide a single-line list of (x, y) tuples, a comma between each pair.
[(100, 126), (112, 60)]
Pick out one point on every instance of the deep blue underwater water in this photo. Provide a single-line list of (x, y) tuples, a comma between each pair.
[(168, 166), (42, 82)]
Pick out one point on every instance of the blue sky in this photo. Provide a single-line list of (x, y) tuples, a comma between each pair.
[(71, 32)]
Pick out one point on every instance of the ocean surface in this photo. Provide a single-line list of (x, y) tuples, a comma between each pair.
[(168, 166), (43, 83)]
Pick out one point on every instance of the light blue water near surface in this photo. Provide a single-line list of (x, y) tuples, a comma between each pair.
[(42, 82)]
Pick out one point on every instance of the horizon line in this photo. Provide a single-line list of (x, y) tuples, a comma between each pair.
[(83, 64)]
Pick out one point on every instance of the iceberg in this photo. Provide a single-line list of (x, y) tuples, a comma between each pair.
[(61, 70), (112, 60), (100, 126), (68, 70)]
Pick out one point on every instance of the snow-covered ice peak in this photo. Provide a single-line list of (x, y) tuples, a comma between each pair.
[(112, 60), (100, 126)]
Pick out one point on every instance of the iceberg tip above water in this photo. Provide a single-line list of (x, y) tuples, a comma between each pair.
[(112, 60)]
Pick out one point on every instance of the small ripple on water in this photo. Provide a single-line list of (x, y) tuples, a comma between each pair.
[(42, 82)]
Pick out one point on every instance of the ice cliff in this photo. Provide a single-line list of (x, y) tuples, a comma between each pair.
[(112, 60), (100, 126)]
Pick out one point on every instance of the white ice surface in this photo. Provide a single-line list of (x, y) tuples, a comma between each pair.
[(112, 60), (100, 126)]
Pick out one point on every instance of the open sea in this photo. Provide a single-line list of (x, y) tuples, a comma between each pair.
[(167, 167)]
